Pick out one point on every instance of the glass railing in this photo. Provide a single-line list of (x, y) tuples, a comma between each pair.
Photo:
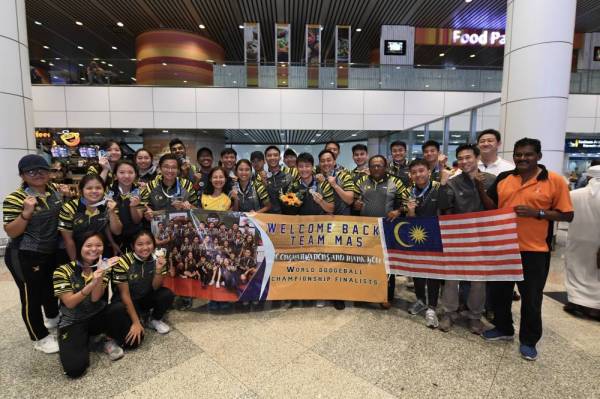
[(290, 75)]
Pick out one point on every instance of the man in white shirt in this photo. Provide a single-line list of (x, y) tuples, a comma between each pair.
[(488, 142)]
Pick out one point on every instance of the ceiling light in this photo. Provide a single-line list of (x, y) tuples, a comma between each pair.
[(282, 134), (96, 59), (235, 82), (165, 131), (442, 54), (125, 131), (164, 64), (354, 134), (468, 1), (43, 60), (185, 81), (81, 78), (359, 29), (472, 56), (57, 58), (134, 79), (211, 61), (114, 47), (318, 135), (224, 65), (80, 47), (51, 64), (201, 26), (426, 85), (455, 135), (78, 23), (245, 134), (321, 28), (133, 59), (331, 83), (241, 26), (121, 72), (46, 47), (81, 65), (120, 24), (420, 135), (397, 67), (103, 62), (110, 65), (312, 141), (37, 22), (472, 85)]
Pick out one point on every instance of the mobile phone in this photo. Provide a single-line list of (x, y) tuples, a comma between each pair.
[(102, 154)]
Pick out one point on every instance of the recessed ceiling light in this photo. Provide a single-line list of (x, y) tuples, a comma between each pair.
[(235, 82), (165, 131), (125, 131), (442, 54), (78, 23), (57, 58), (133, 59), (114, 47), (103, 62), (241, 26), (46, 47), (185, 81), (312, 141), (37, 22), (110, 65), (472, 56), (201, 26), (426, 85), (120, 24), (81, 65), (318, 135), (121, 72), (81, 78), (472, 85), (164, 64), (284, 82), (397, 67), (354, 134), (359, 29), (246, 134), (468, 1), (80, 47), (331, 83), (51, 64), (43, 60), (134, 79)]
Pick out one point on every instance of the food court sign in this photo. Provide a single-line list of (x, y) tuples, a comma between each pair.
[(485, 38)]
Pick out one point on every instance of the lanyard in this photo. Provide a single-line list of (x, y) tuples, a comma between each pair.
[(177, 190), (423, 192)]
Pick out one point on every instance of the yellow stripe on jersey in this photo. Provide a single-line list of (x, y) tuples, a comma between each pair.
[(61, 279), (67, 214), (345, 178), (261, 191)]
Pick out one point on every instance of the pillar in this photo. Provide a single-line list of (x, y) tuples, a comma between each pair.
[(16, 111), (536, 76)]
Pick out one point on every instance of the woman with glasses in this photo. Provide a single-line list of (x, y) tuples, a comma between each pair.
[(30, 220), (92, 211)]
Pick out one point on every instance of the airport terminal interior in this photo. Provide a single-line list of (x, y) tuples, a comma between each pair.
[(179, 79)]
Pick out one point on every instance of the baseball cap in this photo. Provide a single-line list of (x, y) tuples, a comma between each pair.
[(32, 162)]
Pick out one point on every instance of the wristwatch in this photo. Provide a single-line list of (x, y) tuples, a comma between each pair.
[(541, 214)]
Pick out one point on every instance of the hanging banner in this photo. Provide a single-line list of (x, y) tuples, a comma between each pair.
[(282, 53), (252, 52), (313, 54), (342, 53), (230, 256)]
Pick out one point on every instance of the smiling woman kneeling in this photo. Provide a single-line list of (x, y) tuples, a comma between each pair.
[(80, 286)]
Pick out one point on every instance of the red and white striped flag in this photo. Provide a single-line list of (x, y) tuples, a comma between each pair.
[(478, 246)]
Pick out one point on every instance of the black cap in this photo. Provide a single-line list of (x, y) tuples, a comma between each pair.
[(257, 155), (32, 162)]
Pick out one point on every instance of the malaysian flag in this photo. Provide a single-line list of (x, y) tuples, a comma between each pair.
[(480, 246)]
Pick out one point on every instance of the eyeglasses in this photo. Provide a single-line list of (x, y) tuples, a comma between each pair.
[(36, 172), (55, 170)]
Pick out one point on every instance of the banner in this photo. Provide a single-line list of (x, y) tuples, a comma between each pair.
[(313, 54), (230, 256), (252, 52), (479, 246), (282, 53), (342, 53)]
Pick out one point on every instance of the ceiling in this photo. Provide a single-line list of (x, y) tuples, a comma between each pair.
[(99, 32)]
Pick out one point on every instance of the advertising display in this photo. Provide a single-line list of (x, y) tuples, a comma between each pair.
[(313, 54), (282, 52), (252, 52), (343, 49)]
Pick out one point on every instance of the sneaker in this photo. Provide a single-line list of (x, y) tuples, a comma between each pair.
[(476, 326), (431, 319), (385, 305), (496, 335), (52, 323), (446, 323), (212, 282), (160, 326), (114, 351), (48, 344), (320, 304), (417, 307), (217, 285), (528, 352), (339, 305)]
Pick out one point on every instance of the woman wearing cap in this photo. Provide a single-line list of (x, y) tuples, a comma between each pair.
[(91, 212), (30, 220)]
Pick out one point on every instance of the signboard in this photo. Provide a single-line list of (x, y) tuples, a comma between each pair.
[(596, 53), (252, 52), (485, 38), (283, 34), (313, 54), (394, 47), (582, 145), (343, 47)]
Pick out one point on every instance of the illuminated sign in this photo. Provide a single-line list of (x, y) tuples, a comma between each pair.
[(394, 47), (582, 145), (491, 38)]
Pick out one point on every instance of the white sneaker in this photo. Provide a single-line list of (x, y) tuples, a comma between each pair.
[(320, 304), (218, 285), (212, 282), (431, 319), (51, 323), (160, 326), (48, 344), (114, 351)]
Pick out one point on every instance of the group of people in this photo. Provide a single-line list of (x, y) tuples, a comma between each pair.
[(75, 248)]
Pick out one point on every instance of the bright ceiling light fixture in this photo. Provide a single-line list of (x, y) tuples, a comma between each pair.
[(442, 54), (37, 22), (472, 56), (120, 24), (80, 47), (201, 26), (241, 26), (78, 23), (47, 48), (359, 29), (114, 47)]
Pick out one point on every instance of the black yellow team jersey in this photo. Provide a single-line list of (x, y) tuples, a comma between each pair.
[(253, 197), (75, 217), (70, 278), (380, 196), (137, 273), (41, 232), (357, 173), (96, 169), (400, 170), (343, 179), (427, 199), (123, 200), (159, 197), (278, 183), (303, 191)]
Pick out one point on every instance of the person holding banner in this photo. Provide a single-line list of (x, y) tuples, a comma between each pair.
[(464, 193), (339, 180), (93, 211), (168, 191), (252, 195), (279, 177), (380, 194), (126, 193), (214, 198), (539, 198), (424, 201), (81, 286), (316, 197), (138, 277)]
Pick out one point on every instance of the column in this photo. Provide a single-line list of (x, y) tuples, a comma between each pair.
[(536, 76), (16, 111)]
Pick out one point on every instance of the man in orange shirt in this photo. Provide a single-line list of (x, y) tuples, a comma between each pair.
[(539, 198)]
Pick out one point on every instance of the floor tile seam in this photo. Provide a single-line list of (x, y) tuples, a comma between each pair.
[(504, 351), (323, 337)]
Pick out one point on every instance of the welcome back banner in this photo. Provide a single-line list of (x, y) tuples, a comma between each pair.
[(229, 256)]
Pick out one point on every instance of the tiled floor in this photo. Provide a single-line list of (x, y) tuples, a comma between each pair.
[(361, 352)]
